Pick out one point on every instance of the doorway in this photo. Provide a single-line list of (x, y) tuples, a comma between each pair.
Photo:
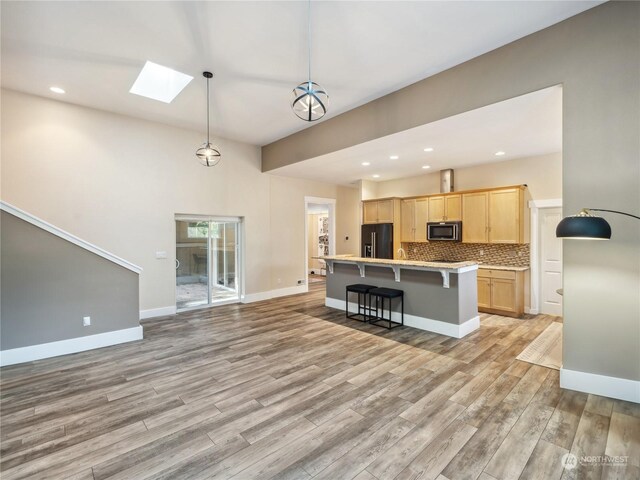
[(207, 261), (319, 236), (550, 262), (546, 257)]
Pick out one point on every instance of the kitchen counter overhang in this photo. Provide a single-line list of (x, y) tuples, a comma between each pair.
[(439, 297), (398, 265)]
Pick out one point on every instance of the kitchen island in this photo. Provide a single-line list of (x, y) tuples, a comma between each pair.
[(438, 297)]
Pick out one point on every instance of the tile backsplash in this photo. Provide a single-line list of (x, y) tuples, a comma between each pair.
[(492, 253)]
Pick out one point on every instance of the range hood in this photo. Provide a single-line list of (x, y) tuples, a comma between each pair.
[(446, 181)]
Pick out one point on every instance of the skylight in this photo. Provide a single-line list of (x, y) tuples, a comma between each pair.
[(159, 83)]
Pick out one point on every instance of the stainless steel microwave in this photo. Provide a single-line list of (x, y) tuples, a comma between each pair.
[(449, 231)]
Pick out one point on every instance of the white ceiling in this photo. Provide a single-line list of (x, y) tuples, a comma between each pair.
[(257, 50), (524, 126)]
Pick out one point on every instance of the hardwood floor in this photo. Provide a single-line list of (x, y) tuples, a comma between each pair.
[(290, 389)]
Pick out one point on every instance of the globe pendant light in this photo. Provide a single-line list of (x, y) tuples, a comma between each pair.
[(309, 101), (208, 155)]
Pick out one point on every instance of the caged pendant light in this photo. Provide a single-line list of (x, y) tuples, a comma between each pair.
[(309, 100), (209, 154)]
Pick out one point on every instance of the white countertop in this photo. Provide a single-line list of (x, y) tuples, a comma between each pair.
[(401, 263), (417, 263), (486, 266)]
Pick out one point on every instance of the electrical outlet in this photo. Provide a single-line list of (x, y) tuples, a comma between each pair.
[(415, 250), (86, 321), (279, 281), (481, 253), (161, 255)]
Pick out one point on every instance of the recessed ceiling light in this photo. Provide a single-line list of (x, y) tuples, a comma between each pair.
[(57, 90), (500, 153), (426, 167), (428, 149), (375, 175), (159, 83), (394, 157), (365, 164)]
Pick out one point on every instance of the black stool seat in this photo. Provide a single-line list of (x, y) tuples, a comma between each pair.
[(386, 292), (380, 295), (360, 288), (364, 303)]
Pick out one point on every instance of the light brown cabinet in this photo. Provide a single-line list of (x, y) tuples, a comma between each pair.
[(475, 217), (445, 208), (505, 213), (501, 292), (495, 216), (378, 211), (415, 214)]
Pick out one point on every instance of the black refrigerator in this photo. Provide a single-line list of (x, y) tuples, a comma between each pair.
[(377, 240)]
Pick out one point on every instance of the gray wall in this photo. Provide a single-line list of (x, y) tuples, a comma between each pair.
[(49, 284), (596, 57), (424, 295)]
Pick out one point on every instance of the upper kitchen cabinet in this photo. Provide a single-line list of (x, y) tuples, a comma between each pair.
[(495, 216), (445, 208), (507, 215), (381, 211), (475, 217), (415, 214)]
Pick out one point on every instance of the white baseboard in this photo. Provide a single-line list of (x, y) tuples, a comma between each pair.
[(422, 323), (281, 292), (157, 312), (612, 387), (72, 345), (532, 311)]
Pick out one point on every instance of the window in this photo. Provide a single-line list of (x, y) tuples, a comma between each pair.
[(198, 230)]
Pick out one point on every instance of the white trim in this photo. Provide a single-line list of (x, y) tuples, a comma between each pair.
[(532, 311), (421, 323), (157, 312), (546, 203), (38, 222), (72, 345), (281, 292), (207, 218), (612, 387), (534, 261)]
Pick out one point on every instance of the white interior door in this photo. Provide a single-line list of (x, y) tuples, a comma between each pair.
[(550, 262)]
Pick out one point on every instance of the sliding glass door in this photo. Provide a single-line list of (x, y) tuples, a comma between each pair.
[(207, 261), (224, 258)]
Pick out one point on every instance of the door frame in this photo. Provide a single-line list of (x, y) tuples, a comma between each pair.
[(240, 252), (331, 203), (535, 206)]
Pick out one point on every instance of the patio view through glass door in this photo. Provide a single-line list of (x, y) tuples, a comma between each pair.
[(206, 261)]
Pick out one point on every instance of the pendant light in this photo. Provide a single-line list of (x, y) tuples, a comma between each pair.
[(208, 155), (309, 101)]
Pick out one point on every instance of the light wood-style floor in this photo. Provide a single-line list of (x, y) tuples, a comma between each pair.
[(289, 389)]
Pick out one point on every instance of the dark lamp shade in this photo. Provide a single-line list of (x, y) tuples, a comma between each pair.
[(584, 227)]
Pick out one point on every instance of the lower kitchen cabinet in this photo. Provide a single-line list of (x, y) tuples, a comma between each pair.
[(501, 292)]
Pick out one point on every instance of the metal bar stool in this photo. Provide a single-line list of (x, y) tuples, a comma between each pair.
[(364, 308), (389, 293)]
